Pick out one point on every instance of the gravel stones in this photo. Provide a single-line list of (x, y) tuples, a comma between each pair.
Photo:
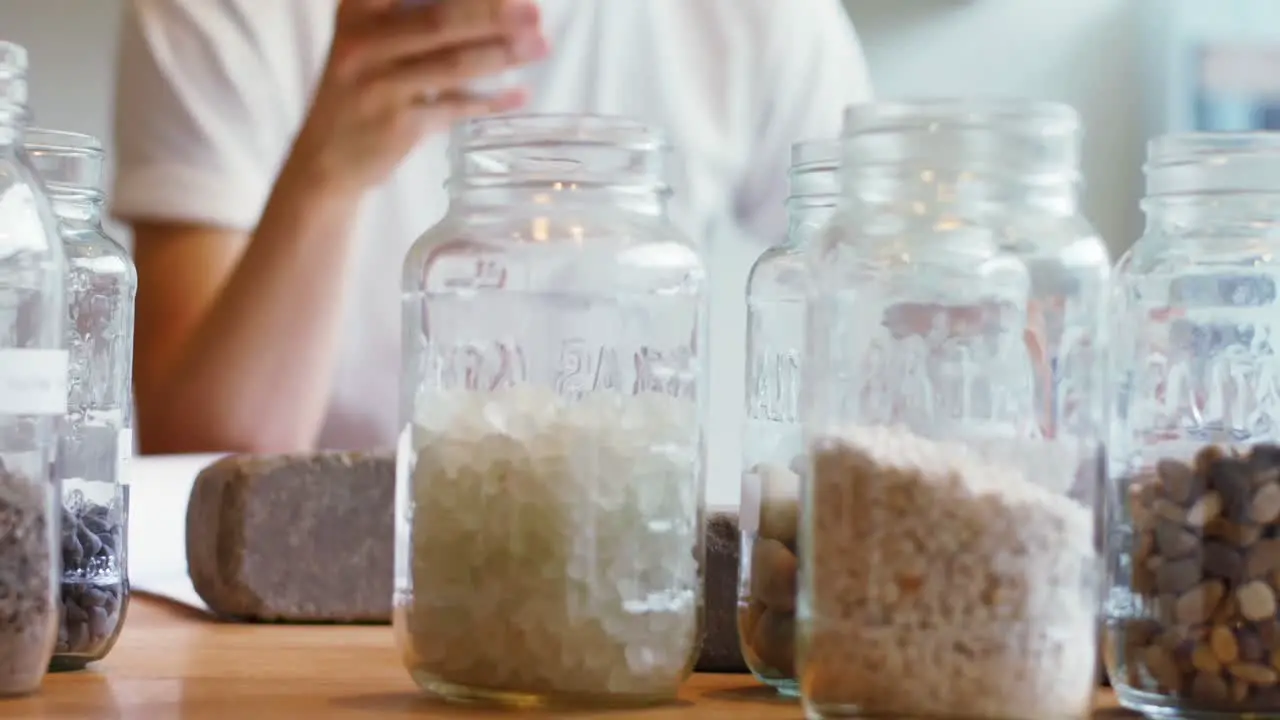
[(94, 591), (90, 621), (92, 539), (931, 561), (1205, 569), (28, 569), (582, 524), (767, 609), (720, 650)]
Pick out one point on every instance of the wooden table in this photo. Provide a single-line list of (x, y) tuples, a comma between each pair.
[(173, 664)]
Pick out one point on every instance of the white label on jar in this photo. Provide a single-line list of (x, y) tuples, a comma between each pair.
[(33, 382), (124, 453)]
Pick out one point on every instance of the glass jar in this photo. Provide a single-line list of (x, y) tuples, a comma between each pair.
[(773, 450), (97, 438), (33, 396), (954, 420), (549, 491), (1194, 536)]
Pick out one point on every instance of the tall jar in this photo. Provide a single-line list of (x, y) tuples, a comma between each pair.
[(97, 439), (33, 396), (772, 447), (1194, 539), (549, 492), (954, 420)]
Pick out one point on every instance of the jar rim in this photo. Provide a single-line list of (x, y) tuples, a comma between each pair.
[(13, 60), (825, 152), (69, 163), (1201, 146), (815, 165), (1196, 163), (1033, 117), (61, 142), (530, 129)]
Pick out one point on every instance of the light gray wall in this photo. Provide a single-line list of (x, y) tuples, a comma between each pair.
[(1079, 51), (71, 45), (1083, 52)]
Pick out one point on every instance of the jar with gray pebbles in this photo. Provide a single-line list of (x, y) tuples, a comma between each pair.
[(1201, 560), (33, 396), (28, 574), (97, 440), (1191, 616)]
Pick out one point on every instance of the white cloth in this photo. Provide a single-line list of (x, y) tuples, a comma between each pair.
[(211, 93)]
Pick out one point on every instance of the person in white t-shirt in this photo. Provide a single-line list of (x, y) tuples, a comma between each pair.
[(276, 158)]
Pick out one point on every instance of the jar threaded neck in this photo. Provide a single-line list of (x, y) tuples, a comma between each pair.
[(560, 154), (1187, 165), (815, 172), (69, 163), (1008, 140)]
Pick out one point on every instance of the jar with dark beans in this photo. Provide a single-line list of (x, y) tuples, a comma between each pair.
[(97, 438), (1202, 565), (95, 586)]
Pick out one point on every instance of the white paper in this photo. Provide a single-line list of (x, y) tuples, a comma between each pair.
[(33, 382), (160, 486)]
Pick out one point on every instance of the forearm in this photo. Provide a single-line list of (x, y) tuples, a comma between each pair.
[(255, 374)]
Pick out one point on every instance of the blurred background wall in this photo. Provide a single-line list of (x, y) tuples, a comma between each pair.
[(1079, 51), (1084, 52)]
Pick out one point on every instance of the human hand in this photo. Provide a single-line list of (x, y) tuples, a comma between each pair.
[(398, 72)]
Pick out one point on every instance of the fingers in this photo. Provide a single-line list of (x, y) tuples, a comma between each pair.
[(350, 11), (453, 107), (450, 70), (391, 37)]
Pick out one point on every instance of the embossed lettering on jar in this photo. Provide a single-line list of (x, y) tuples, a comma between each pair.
[(549, 494), (1195, 538), (772, 447), (954, 421), (97, 438)]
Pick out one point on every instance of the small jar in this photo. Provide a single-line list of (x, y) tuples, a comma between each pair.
[(97, 439), (1194, 536), (954, 420), (773, 450), (33, 396), (549, 492)]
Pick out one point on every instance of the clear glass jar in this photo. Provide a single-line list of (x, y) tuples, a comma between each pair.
[(954, 420), (1194, 533), (550, 493), (33, 396), (97, 439), (772, 447)]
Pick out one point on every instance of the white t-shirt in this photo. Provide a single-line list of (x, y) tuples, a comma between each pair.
[(212, 92)]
